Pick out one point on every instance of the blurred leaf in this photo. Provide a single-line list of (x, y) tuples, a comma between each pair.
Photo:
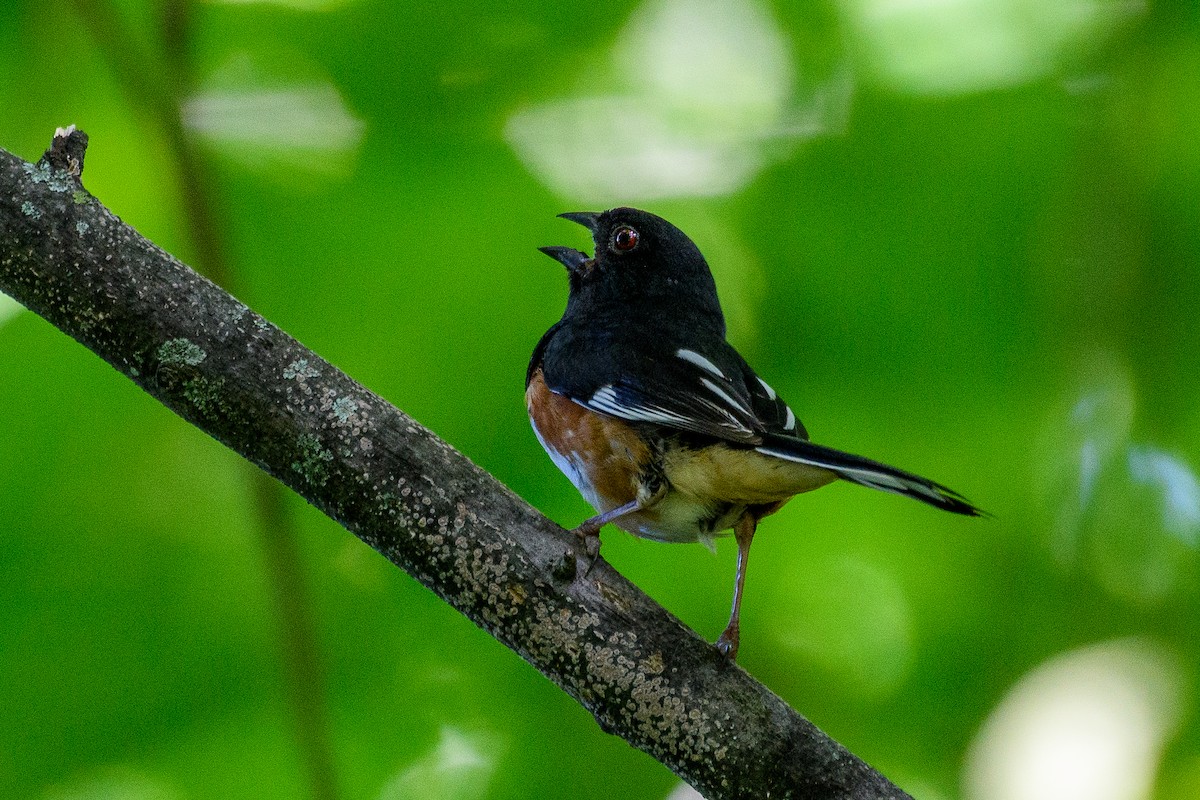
[(271, 122), (1087, 725), (115, 784), (953, 46), (707, 103), (1128, 510), (459, 768)]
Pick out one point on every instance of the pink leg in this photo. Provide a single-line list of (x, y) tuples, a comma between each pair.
[(743, 532), (589, 530)]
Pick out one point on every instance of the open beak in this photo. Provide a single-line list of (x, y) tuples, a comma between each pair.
[(569, 257)]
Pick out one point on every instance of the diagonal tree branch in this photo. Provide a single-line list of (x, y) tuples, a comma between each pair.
[(210, 359)]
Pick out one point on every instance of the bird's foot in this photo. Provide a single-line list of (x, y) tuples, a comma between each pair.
[(589, 535), (728, 641)]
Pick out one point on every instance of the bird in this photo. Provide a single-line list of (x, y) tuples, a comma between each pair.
[(638, 398)]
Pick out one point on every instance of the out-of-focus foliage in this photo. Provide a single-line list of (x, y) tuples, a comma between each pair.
[(959, 236)]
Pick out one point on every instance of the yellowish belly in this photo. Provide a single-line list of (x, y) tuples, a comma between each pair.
[(710, 490), (739, 475)]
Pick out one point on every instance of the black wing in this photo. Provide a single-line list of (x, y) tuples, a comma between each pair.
[(705, 387)]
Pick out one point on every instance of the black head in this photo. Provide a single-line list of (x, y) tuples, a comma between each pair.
[(643, 264)]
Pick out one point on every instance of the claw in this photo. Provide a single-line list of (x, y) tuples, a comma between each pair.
[(589, 536), (589, 531), (728, 641)]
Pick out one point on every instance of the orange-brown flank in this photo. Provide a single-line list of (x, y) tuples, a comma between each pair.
[(603, 451)]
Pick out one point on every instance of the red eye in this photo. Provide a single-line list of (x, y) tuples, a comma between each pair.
[(625, 238)]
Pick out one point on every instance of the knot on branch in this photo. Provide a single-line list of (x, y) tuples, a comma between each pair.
[(66, 152)]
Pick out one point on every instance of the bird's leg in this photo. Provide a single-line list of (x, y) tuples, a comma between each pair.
[(589, 529), (743, 532)]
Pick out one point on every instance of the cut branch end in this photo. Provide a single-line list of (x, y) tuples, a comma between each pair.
[(66, 152)]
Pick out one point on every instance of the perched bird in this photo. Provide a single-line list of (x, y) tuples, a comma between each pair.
[(658, 421)]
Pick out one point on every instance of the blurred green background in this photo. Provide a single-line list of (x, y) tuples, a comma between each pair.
[(959, 236)]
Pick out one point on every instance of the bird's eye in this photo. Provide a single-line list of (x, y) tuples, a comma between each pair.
[(625, 239)]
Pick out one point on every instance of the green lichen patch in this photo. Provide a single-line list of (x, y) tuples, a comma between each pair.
[(180, 352), (30, 210), (82, 227), (313, 464), (80, 197), (207, 397)]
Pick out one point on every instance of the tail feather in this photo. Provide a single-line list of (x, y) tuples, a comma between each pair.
[(866, 472)]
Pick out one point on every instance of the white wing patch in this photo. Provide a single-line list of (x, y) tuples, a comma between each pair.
[(730, 402), (767, 388), (605, 399), (724, 395), (700, 361), (604, 396), (790, 423)]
